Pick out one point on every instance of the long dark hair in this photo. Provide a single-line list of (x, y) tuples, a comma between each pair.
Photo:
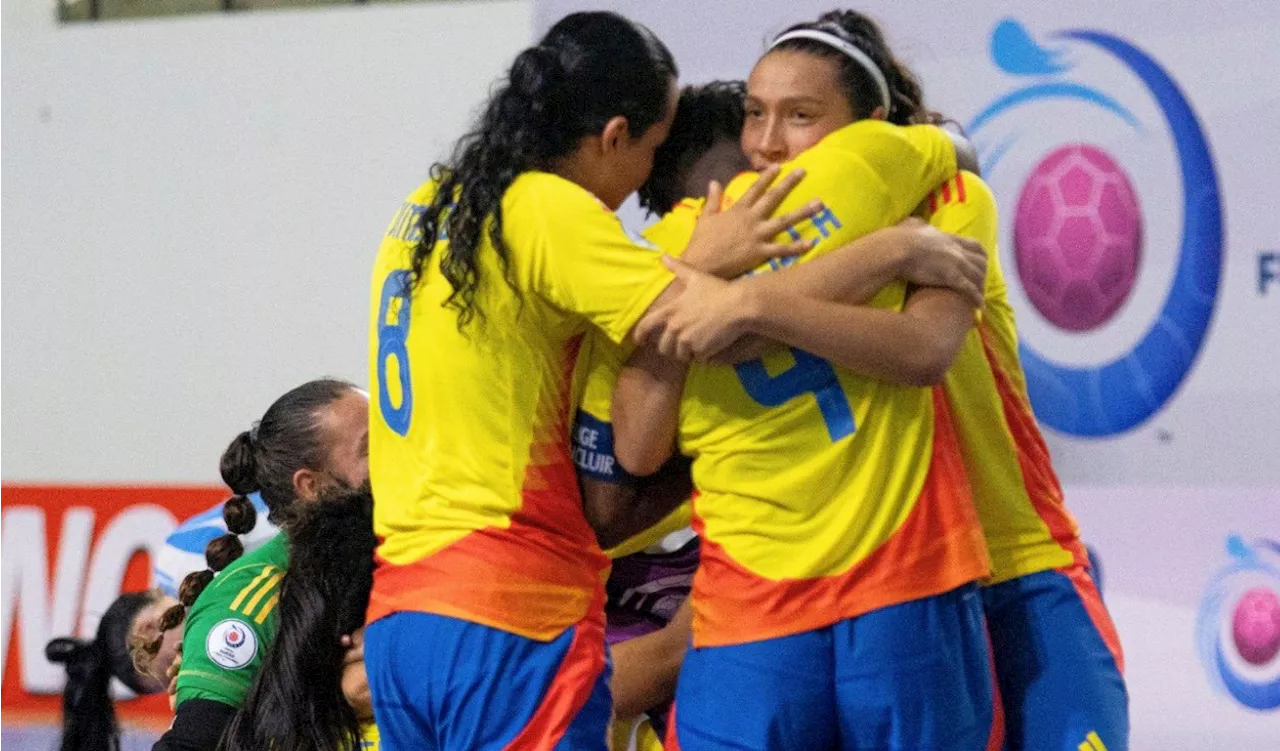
[(296, 700), (263, 459), (88, 715), (906, 99), (588, 69)]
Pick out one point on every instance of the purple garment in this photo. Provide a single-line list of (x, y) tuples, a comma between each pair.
[(645, 589)]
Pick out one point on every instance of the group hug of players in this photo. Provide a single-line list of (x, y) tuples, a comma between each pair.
[(798, 396)]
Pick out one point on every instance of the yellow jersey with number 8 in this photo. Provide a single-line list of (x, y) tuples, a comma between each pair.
[(477, 502)]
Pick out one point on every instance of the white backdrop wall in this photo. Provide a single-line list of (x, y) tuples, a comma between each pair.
[(191, 206)]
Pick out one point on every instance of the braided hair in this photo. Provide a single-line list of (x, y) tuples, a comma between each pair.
[(261, 460)]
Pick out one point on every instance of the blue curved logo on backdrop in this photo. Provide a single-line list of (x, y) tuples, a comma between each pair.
[(1238, 625), (1113, 397)]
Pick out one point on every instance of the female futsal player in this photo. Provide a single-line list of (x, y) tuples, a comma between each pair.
[(1056, 652), (648, 583), (309, 442), (296, 700), (489, 576), (834, 510)]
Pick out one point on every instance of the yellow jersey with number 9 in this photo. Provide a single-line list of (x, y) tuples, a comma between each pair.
[(477, 502), (825, 495)]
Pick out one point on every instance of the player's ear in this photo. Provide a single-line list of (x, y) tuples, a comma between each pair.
[(615, 135), (306, 484)]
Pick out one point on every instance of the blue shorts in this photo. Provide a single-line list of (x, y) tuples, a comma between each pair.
[(1058, 664), (444, 683), (910, 676)]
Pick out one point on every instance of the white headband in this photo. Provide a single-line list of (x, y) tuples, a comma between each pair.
[(853, 53)]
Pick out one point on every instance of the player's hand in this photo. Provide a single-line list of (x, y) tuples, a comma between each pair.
[(355, 679), (936, 259), (353, 643), (735, 240), (707, 316)]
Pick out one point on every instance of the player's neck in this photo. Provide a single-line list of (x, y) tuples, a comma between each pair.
[(582, 169)]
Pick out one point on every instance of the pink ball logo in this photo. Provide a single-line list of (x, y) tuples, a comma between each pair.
[(1077, 237), (1255, 626)]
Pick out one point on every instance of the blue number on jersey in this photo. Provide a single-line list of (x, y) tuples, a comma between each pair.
[(393, 343), (810, 375)]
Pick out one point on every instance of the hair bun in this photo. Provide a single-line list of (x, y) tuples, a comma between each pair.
[(536, 71), (239, 514), (193, 585), (221, 551), (238, 467), (66, 649)]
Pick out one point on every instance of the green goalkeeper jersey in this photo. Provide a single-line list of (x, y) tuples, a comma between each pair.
[(231, 625)]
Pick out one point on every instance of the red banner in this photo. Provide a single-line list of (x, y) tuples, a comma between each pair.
[(68, 552)]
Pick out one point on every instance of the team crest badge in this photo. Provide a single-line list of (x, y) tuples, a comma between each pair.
[(231, 644)]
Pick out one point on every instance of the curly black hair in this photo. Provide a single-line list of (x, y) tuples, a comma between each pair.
[(588, 69), (705, 114)]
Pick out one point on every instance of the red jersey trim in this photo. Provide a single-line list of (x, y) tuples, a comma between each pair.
[(939, 547)]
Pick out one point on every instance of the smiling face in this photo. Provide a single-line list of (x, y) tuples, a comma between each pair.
[(794, 100)]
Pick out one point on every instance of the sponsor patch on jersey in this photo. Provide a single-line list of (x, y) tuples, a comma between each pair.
[(231, 644)]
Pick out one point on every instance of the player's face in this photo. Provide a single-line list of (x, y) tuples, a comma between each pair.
[(628, 160), (793, 101), (347, 429), (145, 628)]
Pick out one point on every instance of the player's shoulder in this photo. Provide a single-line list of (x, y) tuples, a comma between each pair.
[(549, 194), (424, 193), (868, 137), (540, 208), (673, 231), (245, 585), (965, 189)]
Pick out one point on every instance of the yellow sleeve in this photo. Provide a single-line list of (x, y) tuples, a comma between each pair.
[(602, 361), (587, 264), (905, 158), (370, 738), (868, 175), (965, 206), (671, 233)]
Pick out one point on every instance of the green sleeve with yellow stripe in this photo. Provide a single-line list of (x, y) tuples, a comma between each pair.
[(230, 626)]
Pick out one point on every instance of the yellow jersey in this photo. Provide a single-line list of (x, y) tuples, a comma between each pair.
[(599, 362), (370, 738), (822, 494), (477, 502), (1019, 500)]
